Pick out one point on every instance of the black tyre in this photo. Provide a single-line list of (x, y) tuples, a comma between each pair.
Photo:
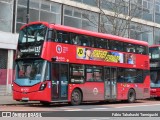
[(76, 97), (45, 103), (131, 96), (157, 98)]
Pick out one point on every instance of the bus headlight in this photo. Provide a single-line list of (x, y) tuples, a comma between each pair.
[(12, 86), (43, 86)]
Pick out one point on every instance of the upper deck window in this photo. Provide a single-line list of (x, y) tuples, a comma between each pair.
[(154, 52), (128, 47), (141, 49), (101, 43), (86, 41), (116, 45), (62, 37), (75, 39), (32, 33)]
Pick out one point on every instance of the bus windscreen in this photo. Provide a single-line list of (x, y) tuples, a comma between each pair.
[(154, 52), (29, 72), (155, 78)]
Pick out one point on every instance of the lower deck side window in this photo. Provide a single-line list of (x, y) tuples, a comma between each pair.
[(77, 73), (94, 73)]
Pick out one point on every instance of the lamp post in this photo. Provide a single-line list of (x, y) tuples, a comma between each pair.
[(27, 16), (129, 13), (27, 19)]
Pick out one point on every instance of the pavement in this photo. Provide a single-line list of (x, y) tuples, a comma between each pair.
[(8, 100)]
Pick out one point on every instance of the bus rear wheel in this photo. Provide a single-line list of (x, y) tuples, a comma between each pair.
[(131, 96), (45, 103), (76, 97), (157, 98)]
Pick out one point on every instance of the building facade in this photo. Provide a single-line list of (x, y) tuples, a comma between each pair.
[(93, 15)]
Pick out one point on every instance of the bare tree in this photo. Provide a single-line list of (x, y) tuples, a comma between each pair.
[(116, 15)]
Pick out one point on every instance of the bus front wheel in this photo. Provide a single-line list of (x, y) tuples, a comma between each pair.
[(76, 97), (131, 96)]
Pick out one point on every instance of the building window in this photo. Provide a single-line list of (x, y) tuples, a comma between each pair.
[(39, 11), (105, 25), (6, 12), (135, 31), (88, 2), (3, 59), (3, 66), (156, 36), (113, 25), (141, 32), (157, 11), (148, 10), (50, 12), (116, 6), (147, 34), (136, 9), (80, 18)]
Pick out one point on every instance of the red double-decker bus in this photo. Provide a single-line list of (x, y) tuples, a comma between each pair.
[(57, 63), (154, 52)]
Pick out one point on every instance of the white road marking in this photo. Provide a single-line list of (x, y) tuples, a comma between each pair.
[(137, 106), (99, 108), (86, 109), (74, 110), (101, 119), (91, 109)]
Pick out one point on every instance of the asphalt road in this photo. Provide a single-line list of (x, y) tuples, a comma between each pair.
[(92, 110)]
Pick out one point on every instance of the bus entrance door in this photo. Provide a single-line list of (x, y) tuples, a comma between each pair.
[(110, 83), (59, 81)]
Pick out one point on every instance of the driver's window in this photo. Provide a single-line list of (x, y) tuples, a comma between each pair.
[(55, 72)]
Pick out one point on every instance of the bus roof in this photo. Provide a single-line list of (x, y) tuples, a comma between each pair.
[(154, 46), (86, 32)]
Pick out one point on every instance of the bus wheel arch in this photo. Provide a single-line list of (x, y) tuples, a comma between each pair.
[(76, 96), (131, 97)]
